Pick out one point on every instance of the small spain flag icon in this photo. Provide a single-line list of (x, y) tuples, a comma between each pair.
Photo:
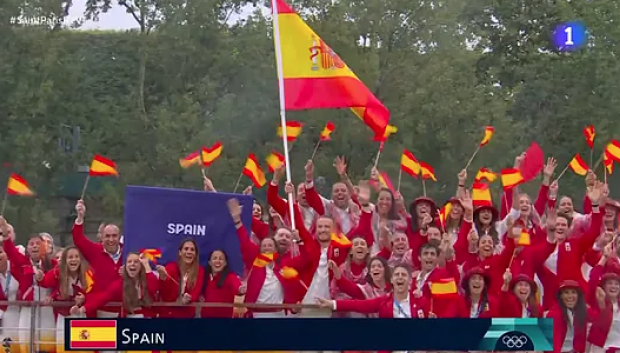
[(93, 334)]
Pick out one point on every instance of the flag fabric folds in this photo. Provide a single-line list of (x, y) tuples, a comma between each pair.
[(293, 130), (389, 130), (151, 254), (252, 170), (102, 166), (613, 149), (274, 161), (340, 240), (315, 77), (289, 273), (578, 165), (444, 213), (481, 195), (511, 177), (590, 134), (190, 160), (409, 164), (488, 133), (209, 155), (485, 174), (524, 238), (93, 334), (608, 162), (427, 171), (327, 131), (263, 260), (18, 186)]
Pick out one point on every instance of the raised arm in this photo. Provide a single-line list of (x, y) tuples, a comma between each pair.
[(88, 248)]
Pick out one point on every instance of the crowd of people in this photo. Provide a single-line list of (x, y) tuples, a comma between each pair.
[(347, 256)]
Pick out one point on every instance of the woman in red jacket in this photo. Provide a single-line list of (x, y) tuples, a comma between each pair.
[(605, 283), (355, 267), (570, 319), (221, 285), (475, 302), (181, 281), (400, 304), (517, 298), (136, 289), (68, 284)]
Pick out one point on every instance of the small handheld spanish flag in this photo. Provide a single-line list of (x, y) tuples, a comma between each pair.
[(427, 172), (409, 164), (151, 254), (289, 273), (327, 131), (102, 166), (293, 130), (485, 174), (274, 161), (444, 288), (253, 171), (511, 177), (488, 133), (18, 186), (578, 165), (262, 260), (190, 160), (590, 134), (209, 155)]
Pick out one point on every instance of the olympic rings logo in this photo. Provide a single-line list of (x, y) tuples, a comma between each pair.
[(515, 341)]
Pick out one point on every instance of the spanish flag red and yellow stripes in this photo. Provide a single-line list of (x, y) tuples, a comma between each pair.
[(488, 133), (445, 287), (89, 278), (327, 131), (209, 155), (190, 160), (151, 254), (340, 240), (321, 80), (252, 170), (293, 130), (590, 134), (389, 130), (511, 177), (427, 171), (263, 259), (481, 195), (274, 161), (444, 213), (409, 164), (613, 149), (485, 174), (93, 334), (102, 166), (578, 165), (383, 182), (608, 162), (289, 273), (524, 238), (18, 186)]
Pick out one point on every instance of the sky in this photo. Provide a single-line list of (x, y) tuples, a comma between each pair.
[(115, 19)]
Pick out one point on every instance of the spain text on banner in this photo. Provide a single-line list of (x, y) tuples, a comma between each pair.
[(316, 78)]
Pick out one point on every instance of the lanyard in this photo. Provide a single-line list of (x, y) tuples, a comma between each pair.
[(400, 309)]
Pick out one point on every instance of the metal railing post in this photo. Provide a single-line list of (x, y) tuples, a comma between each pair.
[(33, 327)]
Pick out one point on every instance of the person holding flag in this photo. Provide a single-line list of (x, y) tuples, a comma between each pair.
[(181, 281), (9, 314)]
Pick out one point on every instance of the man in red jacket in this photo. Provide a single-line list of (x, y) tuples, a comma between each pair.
[(105, 257)]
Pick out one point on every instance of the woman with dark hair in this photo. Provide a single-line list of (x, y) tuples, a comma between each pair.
[(221, 285), (517, 298), (385, 214), (136, 289), (354, 268), (376, 283), (604, 287), (181, 281), (454, 218), (570, 316), (475, 301)]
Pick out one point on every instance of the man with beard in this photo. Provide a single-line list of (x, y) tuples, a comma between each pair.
[(341, 207), (308, 214)]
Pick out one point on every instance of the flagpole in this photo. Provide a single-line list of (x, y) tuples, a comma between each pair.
[(471, 159), (400, 175), (238, 181), (378, 154), (591, 156), (424, 186), (563, 171), (85, 186), (278, 49), (316, 148)]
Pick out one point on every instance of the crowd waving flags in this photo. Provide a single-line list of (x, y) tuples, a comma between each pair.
[(355, 253)]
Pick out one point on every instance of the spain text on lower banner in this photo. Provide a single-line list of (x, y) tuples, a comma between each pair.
[(298, 334)]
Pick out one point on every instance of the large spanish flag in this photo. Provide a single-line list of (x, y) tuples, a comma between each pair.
[(93, 334), (316, 78)]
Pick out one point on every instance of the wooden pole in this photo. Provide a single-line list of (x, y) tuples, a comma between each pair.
[(238, 181), (400, 175), (85, 187), (472, 157), (316, 148), (424, 186)]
